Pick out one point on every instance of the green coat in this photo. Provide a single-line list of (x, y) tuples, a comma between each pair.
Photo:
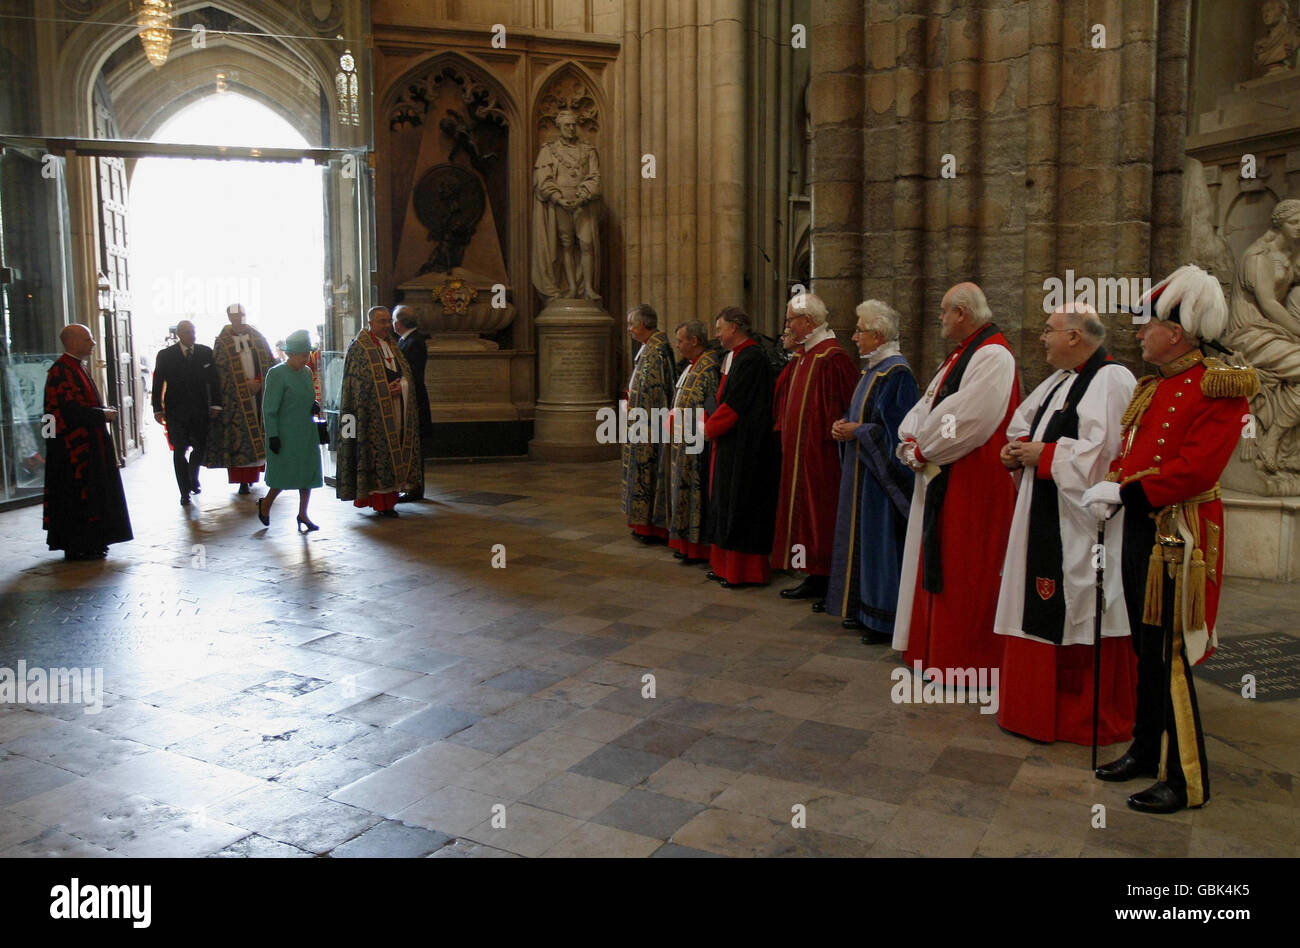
[(286, 412)]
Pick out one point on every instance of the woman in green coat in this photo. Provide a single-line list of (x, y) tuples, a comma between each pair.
[(288, 404)]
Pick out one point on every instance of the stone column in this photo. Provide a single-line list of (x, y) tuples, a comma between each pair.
[(573, 359)]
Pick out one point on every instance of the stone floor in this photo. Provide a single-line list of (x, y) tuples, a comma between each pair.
[(379, 688)]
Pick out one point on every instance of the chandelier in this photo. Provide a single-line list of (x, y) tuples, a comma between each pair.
[(153, 17)]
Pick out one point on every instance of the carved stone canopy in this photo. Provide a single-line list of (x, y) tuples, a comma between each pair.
[(567, 92), (411, 109)]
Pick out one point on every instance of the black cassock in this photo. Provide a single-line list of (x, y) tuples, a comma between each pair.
[(85, 508), (746, 471)]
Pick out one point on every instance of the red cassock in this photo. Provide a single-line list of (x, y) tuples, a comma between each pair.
[(813, 396), (963, 433)]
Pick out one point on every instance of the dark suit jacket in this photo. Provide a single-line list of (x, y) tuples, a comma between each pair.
[(418, 356), (192, 387)]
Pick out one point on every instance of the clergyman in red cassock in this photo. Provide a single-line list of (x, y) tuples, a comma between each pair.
[(964, 497), (816, 393)]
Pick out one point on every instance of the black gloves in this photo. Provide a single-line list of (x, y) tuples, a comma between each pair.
[(275, 445)]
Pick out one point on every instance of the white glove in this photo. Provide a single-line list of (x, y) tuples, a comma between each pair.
[(906, 452), (1102, 500)]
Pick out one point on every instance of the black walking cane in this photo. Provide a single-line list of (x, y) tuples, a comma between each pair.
[(1096, 637)]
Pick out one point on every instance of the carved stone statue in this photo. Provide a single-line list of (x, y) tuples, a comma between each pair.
[(1274, 50), (1264, 328), (566, 186)]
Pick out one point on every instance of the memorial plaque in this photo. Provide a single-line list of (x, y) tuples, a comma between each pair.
[(1273, 658), (573, 365), (465, 381)]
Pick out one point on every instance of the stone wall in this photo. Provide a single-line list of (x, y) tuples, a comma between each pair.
[(1066, 156)]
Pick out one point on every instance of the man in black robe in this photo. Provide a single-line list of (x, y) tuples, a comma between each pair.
[(412, 344), (746, 460), (85, 508)]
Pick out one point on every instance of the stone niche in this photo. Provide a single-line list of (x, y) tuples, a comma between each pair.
[(1243, 159), (449, 191)]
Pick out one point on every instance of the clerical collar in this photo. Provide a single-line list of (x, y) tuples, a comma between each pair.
[(1181, 364), (407, 333), (881, 353), (817, 337)]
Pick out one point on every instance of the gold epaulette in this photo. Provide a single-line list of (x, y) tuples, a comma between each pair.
[(1228, 381)]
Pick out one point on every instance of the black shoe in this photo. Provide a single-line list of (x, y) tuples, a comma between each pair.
[(244, 489), (1127, 767), (853, 624), (647, 539), (819, 606), (872, 637), (196, 489), (410, 498), (678, 555), (715, 577), (1158, 798), (687, 561), (185, 500), (814, 587), (262, 515), (388, 513), (305, 525)]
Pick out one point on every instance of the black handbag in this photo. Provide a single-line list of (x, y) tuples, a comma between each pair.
[(323, 431)]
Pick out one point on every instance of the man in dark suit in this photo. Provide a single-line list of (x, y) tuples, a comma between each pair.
[(412, 343), (192, 398)]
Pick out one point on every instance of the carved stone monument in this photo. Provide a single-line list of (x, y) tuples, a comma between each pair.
[(573, 330), (450, 244), (1262, 482), (1275, 50)]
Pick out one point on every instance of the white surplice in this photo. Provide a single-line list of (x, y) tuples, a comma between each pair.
[(1077, 464), (961, 423)]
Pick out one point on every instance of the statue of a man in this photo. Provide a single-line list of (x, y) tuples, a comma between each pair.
[(566, 184), (1273, 50)]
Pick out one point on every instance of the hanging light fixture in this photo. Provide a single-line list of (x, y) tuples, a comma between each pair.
[(154, 18)]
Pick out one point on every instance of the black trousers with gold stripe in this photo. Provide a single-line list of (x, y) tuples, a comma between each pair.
[(1166, 696)]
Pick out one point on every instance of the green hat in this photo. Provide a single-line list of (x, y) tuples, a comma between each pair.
[(297, 342)]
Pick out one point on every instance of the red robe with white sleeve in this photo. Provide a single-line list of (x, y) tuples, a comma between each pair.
[(965, 432)]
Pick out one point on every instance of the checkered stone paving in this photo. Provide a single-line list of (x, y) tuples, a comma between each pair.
[(377, 688)]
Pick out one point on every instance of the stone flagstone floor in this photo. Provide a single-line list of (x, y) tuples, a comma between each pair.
[(380, 689)]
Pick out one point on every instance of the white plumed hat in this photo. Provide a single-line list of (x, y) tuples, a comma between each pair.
[(1192, 298)]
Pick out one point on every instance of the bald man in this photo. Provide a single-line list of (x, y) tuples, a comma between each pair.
[(85, 509), (186, 396)]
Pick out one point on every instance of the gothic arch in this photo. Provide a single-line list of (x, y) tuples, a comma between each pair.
[(89, 46)]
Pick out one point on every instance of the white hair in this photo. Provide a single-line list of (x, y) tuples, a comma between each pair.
[(879, 316), (971, 298), (810, 305)]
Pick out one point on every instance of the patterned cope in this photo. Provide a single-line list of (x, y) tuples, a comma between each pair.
[(645, 496), (384, 455), (85, 508), (236, 437), (687, 488)]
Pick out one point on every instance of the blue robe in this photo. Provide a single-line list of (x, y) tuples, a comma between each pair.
[(875, 496)]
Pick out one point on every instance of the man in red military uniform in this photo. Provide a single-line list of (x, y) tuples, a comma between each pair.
[(820, 384), (1179, 433)]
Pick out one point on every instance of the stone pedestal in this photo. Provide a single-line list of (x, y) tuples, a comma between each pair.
[(573, 366), (1262, 536)]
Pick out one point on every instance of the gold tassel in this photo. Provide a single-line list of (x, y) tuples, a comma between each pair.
[(1155, 587), (1226, 381), (1196, 618)]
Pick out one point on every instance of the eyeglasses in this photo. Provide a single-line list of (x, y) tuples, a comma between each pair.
[(1047, 329)]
